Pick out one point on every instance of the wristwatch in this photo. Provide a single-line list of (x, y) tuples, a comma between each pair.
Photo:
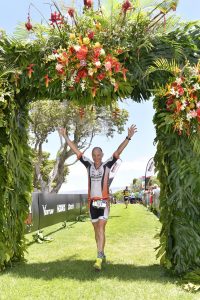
[(128, 138)]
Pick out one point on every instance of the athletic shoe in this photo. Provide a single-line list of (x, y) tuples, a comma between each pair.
[(98, 264)]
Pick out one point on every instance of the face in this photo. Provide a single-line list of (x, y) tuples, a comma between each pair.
[(97, 156)]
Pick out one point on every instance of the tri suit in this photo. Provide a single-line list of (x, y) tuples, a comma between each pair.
[(98, 186)]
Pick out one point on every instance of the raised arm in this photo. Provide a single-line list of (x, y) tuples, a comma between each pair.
[(62, 131), (131, 131)]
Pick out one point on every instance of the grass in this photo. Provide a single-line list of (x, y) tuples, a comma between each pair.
[(63, 268)]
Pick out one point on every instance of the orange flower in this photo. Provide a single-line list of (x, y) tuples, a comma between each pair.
[(47, 80), (30, 70)]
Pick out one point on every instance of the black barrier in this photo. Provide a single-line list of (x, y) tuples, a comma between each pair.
[(49, 209)]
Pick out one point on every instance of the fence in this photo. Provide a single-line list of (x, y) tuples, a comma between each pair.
[(48, 209)]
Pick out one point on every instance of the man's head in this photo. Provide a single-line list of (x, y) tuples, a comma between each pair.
[(97, 155)]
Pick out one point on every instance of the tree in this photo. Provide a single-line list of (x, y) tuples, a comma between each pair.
[(81, 123)]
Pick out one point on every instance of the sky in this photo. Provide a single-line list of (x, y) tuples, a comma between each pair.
[(141, 148)]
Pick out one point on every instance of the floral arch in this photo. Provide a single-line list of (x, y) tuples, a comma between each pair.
[(97, 58)]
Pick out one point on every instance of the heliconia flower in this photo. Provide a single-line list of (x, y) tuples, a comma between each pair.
[(124, 71), (126, 6), (178, 106), (116, 86), (28, 24), (47, 80), (71, 12), (91, 35), (94, 91), (30, 70), (88, 3)]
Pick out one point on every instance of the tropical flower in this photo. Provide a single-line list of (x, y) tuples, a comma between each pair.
[(182, 100), (86, 67)]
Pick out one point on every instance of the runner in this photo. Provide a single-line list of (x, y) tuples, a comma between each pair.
[(98, 188), (126, 193)]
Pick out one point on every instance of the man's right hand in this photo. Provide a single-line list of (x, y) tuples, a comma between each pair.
[(62, 131)]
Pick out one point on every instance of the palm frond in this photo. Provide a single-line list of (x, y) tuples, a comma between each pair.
[(162, 64)]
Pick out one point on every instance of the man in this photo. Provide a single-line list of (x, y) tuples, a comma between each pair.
[(126, 196), (98, 188)]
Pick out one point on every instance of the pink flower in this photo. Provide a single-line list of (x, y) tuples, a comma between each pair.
[(108, 66), (59, 69), (198, 104)]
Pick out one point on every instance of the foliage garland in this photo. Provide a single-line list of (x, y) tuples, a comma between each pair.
[(178, 153), (15, 176)]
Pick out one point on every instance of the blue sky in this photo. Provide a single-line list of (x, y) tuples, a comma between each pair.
[(141, 148)]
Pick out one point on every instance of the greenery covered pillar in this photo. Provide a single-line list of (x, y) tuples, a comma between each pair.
[(177, 160), (15, 176)]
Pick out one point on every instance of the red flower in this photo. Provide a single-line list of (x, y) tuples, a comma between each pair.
[(56, 18), (126, 6), (180, 90), (101, 76), (91, 35), (28, 25), (71, 12), (82, 53), (88, 3), (117, 66), (198, 114), (97, 52), (82, 73)]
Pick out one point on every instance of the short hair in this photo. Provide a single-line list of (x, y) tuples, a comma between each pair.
[(97, 148)]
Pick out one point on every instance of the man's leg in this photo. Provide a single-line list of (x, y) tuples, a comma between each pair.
[(99, 228)]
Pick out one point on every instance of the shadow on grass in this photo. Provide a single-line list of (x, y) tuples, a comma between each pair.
[(82, 270)]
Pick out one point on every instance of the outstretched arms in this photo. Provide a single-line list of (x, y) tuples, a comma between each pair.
[(131, 131), (62, 131)]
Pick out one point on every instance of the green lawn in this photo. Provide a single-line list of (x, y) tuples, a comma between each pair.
[(63, 268)]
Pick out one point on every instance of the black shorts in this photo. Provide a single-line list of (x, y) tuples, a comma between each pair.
[(126, 198), (99, 213)]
